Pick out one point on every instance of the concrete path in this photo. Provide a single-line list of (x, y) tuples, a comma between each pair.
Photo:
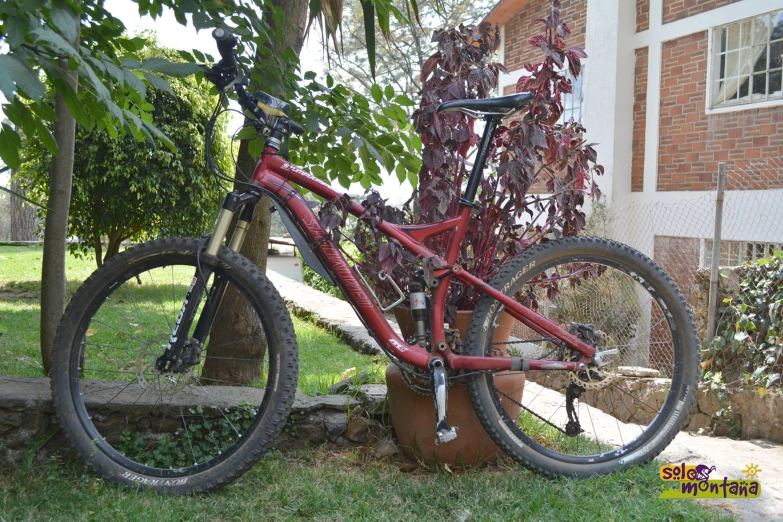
[(727, 455), (328, 312)]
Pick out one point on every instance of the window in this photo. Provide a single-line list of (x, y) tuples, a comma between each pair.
[(734, 253), (574, 101), (747, 61)]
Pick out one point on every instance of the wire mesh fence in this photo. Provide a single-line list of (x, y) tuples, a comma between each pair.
[(677, 230)]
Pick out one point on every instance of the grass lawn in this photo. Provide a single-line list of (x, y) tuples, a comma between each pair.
[(321, 485), (322, 358)]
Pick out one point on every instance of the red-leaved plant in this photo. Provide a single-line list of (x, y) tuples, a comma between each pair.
[(536, 150)]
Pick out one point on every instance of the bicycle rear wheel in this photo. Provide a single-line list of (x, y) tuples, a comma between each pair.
[(181, 431), (623, 410)]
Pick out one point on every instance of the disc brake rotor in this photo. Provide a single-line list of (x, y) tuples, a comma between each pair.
[(165, 384)]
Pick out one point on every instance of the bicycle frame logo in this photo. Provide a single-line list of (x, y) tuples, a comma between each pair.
[(275, 176)]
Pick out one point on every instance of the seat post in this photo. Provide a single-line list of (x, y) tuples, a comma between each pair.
[(481, 159)]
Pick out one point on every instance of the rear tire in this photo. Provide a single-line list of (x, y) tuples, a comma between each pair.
[(176, 433), (638, 310)]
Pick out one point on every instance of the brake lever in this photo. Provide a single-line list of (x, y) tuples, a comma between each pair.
[(239, 79)]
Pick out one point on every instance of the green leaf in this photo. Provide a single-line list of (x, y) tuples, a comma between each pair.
[(55, 41), (17, 75), (10, 143), (163, 66), (101, 92), (404, 101), (44, 111), (75, 105), (383, 121), (389, 92), (368, 10), (247, 133), (377, 94), (255, 147), (134, 82), (65, 21), (46, 137), (21, 116), (158, 82), (413, 179)]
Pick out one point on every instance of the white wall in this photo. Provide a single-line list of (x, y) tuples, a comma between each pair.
[(611, 42)]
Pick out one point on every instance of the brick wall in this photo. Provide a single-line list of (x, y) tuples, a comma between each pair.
[(639, 120), (519, 29), (674, 10), (691, 143), (642, 15)]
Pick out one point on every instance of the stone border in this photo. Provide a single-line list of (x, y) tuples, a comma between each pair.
[(27, 419)]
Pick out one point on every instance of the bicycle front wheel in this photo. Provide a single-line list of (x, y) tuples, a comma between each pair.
[(621, 410), (207, 420)]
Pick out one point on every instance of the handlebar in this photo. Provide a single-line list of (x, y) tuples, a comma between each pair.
[(226, 42)]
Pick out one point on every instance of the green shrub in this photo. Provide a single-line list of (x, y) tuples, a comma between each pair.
[(748, 343), (312, 279)]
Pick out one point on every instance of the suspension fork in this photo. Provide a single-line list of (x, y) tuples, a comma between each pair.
[(170, 360)]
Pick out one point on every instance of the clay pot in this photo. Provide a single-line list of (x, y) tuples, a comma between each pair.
[(413, 414)]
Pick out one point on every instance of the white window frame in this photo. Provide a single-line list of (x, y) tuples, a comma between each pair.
[(710, 62), (706, 251), (581, 98)]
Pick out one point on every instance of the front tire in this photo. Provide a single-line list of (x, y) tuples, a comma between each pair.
[(644, 325), (175, 432)]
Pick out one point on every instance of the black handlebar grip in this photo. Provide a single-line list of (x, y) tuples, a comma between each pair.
[(296, 128), (225, 44)]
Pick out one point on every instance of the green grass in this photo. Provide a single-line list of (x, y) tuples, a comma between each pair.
[(323, 359), (322, 485)]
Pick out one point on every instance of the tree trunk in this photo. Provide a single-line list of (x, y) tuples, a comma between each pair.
[(23, 219), (56, 224), (235, 313)]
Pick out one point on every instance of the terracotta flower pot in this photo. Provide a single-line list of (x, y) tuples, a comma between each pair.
[(413, 414)]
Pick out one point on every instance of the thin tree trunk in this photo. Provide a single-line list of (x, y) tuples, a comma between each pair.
[(56, 224), (228, 360), (23, 219)]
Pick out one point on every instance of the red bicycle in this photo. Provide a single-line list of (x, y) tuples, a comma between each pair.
[(605, 338)]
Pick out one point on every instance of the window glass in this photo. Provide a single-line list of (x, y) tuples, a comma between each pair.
[(747, 61)]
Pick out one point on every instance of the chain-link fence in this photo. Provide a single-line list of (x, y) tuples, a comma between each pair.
[(677, 229)]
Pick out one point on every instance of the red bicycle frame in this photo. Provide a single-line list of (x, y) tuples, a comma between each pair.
[(275, 175)]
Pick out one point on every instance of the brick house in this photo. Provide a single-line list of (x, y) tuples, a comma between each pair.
[(670, 89)]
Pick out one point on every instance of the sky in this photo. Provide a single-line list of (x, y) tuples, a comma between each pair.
[(173, 35)]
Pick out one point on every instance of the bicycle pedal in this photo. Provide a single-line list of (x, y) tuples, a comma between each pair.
[(446, 435)]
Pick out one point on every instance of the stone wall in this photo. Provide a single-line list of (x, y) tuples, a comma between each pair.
[(27, 419)]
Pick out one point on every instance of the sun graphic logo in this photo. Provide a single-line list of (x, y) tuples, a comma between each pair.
[(752, 471)]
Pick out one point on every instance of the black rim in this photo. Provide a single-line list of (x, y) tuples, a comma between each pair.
[(663, 414), (160, 261)]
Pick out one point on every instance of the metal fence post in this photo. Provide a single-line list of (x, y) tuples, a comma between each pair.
[(714, 272)]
